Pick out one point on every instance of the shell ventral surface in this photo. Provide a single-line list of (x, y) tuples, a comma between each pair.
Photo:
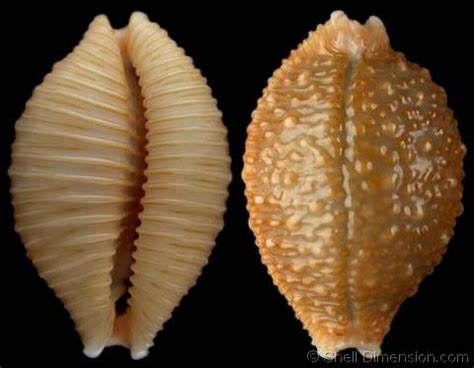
[(119, 178), (353, 170)]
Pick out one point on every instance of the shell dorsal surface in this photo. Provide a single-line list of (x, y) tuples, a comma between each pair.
[(353, 171), (119, 178)]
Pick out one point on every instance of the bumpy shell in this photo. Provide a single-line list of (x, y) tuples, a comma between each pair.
[(353, 170), (94, 152)]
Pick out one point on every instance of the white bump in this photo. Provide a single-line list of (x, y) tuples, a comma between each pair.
[(394, 229), (407, 210), (289, 122), (445, 238), (427, 146), (295, 156)]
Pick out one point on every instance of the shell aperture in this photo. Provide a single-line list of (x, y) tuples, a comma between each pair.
[(119, 179)]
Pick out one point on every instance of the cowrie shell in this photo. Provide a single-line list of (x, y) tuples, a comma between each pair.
[(119, 178), (353, 170)]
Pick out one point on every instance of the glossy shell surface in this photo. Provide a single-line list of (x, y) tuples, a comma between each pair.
[(119, 178)]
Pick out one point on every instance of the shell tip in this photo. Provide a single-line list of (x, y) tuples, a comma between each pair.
[(92, 351), (138, 15), (370, 352), (139, 354), (341, 34)]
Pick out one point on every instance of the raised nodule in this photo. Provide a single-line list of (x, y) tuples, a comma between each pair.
[(119, 174), (353, 170)]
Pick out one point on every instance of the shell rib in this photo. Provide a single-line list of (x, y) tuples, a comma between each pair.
[(353, 170), (97, 151)]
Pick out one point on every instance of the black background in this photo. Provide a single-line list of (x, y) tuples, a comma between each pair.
[(234, 314)]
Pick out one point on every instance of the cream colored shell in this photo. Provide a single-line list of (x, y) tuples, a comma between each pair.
[(95, 152), (353, 170)]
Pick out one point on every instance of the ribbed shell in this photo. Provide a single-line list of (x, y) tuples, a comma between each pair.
[(353, 170), (81, 154)]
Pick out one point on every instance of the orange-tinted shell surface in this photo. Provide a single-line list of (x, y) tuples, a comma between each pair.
[(353, 170)]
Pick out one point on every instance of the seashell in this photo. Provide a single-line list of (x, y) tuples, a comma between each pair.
[(119, 179), (353, 170)]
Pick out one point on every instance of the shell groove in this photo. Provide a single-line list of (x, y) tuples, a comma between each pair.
[(99, 149), (353, 170)]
